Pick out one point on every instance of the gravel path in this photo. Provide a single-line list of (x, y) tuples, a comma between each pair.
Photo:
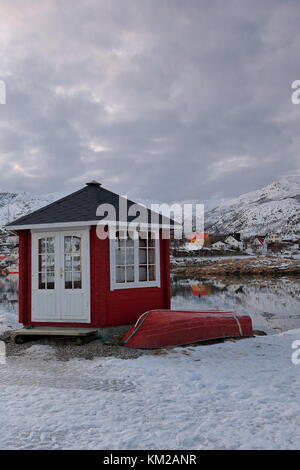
[(66, 349)]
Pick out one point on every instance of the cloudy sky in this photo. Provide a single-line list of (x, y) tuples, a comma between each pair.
[(163, 99)]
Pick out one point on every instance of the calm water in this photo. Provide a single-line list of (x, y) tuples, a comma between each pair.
[(8, 289), (274, 305)]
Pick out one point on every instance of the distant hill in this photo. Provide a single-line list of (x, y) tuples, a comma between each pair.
[(275, 207)]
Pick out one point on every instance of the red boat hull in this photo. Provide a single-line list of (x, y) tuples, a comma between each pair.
[(161, 328)]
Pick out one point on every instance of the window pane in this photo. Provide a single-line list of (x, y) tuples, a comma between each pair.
[(76, 241), (42, 281), (50, 263), (152, 273), (142, 242), (50, 245), (120, 257), (121, 242), (130, 243), (120, 274), (132, 236), (130, 256), (68, 262), (130, 274), (77, 280), (68, 246), (143, 235), (151, 256), (122, 235), (42, 263), (143, 256), (50, 281), (42, 245), (68, 280), (76, 263), (151, 241), (143, 273)]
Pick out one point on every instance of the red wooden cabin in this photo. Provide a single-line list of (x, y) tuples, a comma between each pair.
[(68, 276)]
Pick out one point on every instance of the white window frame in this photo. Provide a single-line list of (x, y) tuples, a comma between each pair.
[(136, 284)]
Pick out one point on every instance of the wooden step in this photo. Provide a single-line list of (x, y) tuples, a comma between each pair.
[(82, 335)]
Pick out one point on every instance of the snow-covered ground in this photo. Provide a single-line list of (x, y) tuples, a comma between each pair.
[(234, 395), (9, 317)]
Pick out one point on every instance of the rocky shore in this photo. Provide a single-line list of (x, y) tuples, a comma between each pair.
[(250, 266)]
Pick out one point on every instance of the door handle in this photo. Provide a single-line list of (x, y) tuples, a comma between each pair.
[(61, 273)]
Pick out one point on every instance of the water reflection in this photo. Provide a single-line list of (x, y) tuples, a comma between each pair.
[(9, 288), (273, 304)]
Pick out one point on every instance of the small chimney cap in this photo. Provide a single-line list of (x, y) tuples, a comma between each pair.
[(93, 183)]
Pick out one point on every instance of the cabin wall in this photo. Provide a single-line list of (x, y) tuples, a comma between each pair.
[(108, 308), (25, 277), (124, 306)]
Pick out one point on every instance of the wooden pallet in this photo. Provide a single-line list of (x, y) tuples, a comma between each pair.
[(81, 335)]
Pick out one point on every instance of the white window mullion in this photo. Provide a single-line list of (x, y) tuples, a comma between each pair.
[(136, 261), (113, 243), (157, 261), (125, 261)]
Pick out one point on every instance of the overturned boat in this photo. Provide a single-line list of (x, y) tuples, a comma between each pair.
[(162, 328)]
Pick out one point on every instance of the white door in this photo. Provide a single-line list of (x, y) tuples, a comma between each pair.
[(60, 277)]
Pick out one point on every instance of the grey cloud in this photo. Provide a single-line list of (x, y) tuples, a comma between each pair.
[(166, 100)]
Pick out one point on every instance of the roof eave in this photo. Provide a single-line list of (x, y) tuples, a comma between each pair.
[(84, 224)]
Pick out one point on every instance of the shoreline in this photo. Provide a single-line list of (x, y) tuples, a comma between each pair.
[(250, 266)]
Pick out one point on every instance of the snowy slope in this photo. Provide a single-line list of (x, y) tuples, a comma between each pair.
[(15, 205), (176, 209), (275, 207)]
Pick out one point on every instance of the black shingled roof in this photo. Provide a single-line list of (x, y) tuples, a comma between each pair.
[(80, 206)]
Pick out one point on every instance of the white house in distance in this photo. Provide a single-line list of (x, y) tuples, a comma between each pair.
[(220, 246), (12, 240), (234, 242), (273, 238), (260, 245)]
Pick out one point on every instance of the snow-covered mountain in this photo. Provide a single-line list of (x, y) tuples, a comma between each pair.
[(15, 205), (275, 207)]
